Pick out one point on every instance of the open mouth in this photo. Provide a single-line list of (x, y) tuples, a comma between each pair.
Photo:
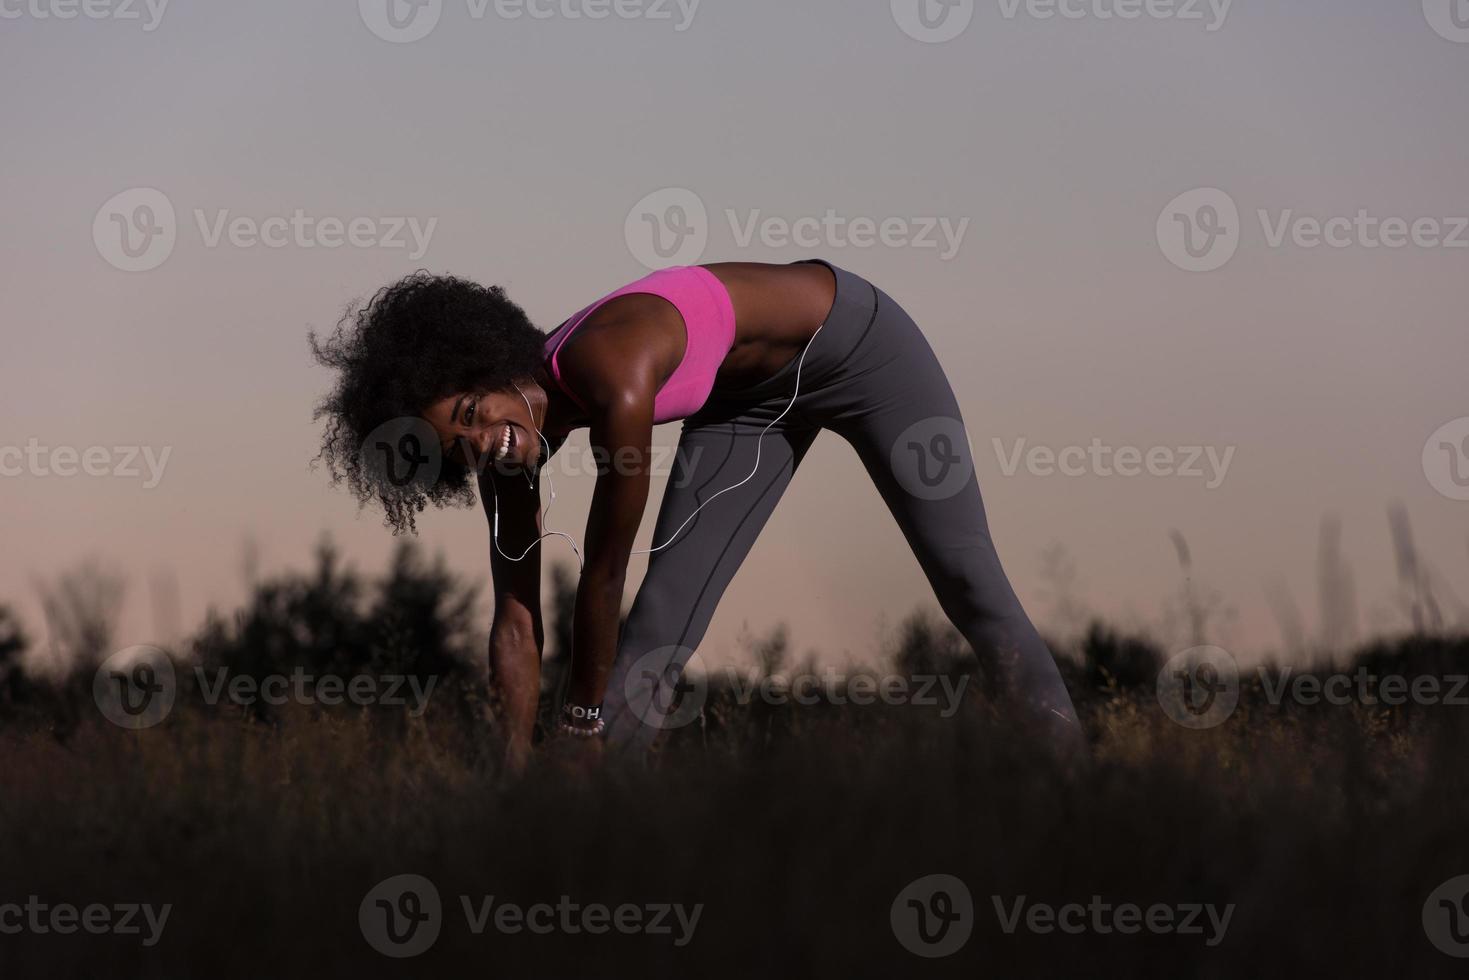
[(508, 441)]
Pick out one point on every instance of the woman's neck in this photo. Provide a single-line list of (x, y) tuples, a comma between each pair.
[(557, 415)]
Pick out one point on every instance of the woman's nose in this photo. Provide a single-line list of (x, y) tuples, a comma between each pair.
[(480, 440)]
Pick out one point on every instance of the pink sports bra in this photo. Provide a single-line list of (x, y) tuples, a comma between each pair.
[(709, 324)]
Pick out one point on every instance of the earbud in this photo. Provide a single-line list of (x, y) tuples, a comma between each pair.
[(495, 524)]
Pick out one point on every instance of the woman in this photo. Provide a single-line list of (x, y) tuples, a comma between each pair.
[(756, 360)]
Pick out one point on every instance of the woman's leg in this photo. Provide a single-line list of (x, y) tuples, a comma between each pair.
[(900, 414), (685, 580)]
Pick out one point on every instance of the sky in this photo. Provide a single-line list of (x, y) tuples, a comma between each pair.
[(1190, 267)]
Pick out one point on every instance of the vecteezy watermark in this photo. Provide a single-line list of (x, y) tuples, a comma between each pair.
[(1099, 459), (148, 12), (136, 230), (403, 916), (666, 688), (1199, 688), (40, 918), (403, 451), (406, 451), (933, 21), (833, 230), (120, 462), (1448, 18), (667, 227), (406, 21), (1104, 918), (331, 690), (671, 226), (137, 688), (1200, 230), (1446, 917), (937, 21), (833, 687), (932, 459), (1446, 459), (933, 916), (1211, 13), (1365, 688)]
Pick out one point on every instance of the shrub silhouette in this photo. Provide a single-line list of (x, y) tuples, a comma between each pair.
[(1112, 660), (13, 645), (418, 620)]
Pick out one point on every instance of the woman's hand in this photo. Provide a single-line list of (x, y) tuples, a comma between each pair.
[(575, 755)]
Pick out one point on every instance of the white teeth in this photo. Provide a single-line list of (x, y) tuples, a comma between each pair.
[(504, 445)]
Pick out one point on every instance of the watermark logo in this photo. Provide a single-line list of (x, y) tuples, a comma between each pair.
[(666, 688), (1105, 918), (300, 687), (121, 462), (401, 916), (41, 918), (1206, 463), (135, 688), (1446, 459), (571, 917), (931, 459), (401, 21), (837, 231), (1448, 18), (1199, 230), (937, 21), (136, 229), (403, 452), (933, 916), (667, 227), (1364, 688), (1199, 688), (831, 687), (672, 227), (1214, 12), (406, 21), (307, 231), (122, 10), (933, 21), (1446, 917)]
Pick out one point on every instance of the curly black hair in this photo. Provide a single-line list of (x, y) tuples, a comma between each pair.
[(416, 341)]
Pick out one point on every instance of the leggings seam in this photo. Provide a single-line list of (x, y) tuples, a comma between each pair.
[(714, 565)]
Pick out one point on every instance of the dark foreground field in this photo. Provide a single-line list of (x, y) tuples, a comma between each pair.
[(1289, 837), (795, 827)]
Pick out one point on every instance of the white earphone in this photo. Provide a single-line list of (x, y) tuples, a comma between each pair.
[(495, 531)]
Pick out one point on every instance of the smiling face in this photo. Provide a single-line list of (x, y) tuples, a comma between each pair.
[(482, 429)]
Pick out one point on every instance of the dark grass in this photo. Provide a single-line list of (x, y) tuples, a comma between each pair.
[(796, 827)]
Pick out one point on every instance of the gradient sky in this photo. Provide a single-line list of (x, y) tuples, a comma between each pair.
[(1060, 319)]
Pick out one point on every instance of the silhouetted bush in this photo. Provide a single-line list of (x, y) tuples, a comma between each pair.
[(1114, 661), (417, 621)]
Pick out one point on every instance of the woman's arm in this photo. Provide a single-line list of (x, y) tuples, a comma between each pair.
[(616, 374), (621, 439), (517, 633)]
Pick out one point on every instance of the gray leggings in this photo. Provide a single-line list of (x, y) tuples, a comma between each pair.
[(871, 377)]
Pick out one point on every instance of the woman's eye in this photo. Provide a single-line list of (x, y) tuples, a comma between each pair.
[(469, 413)]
